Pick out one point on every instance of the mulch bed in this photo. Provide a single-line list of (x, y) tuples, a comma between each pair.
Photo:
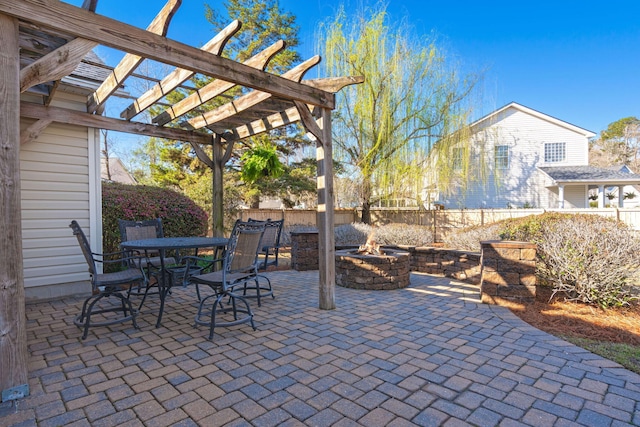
[(618, 325)]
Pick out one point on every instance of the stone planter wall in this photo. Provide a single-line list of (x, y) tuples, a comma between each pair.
[(504, 269), (508, 271), (459, 265), (304, 250), (380, 272)]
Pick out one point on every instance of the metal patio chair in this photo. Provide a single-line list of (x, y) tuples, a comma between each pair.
[(270, 246), (240, 265), (107, 285), (142, 230)]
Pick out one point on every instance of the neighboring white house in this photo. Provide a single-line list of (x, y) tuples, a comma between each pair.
[(117, 171), (533, 160)]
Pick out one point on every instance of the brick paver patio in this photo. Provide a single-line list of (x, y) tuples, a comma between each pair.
[(428, 355)]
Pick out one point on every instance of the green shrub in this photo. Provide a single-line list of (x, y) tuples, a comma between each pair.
[(180, 215), (587, 258)]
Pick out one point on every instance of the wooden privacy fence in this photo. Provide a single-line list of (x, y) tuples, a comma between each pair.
[(440, 221)]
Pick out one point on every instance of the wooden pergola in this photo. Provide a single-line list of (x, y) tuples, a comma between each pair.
[(43, 41)]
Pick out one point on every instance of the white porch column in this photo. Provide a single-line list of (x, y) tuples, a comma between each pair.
[(560, 196), (621, 196), (600, 196)]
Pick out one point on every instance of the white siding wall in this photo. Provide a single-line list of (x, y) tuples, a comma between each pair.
[(575, 196), (58, 175), (521, 183)]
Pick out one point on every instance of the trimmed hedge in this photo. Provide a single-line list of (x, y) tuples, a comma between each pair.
[(180, 215)]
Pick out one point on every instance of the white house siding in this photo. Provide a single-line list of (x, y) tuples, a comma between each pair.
[(58, 170), (575, 196), (521, 184)]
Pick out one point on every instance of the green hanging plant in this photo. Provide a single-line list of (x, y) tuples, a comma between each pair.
[(259, 162)]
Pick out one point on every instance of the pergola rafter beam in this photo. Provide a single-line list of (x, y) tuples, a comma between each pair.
[(215, 88), (59, 63), (249, 100), (290, 115), (64, 17), (62, 115), (130, 62), (178, 75)]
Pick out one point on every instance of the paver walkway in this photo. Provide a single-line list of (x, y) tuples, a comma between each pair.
[(428, 355)]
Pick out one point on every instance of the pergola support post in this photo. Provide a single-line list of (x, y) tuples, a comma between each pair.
[(325, 215), (13, 332), (218, 191)]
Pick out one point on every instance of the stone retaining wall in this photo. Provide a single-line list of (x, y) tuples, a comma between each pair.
[(503, 270), (304, 250), (459, 265), (508, 271)]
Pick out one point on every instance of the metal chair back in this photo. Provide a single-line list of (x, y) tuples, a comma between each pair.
[(270, 242), (138, 230), (244, 245), (86, 248)]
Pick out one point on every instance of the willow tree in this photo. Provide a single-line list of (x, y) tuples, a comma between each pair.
[(411, 105)]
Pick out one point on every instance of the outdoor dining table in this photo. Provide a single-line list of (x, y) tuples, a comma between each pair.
[(162, 245)]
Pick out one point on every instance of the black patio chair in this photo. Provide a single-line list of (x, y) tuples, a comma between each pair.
[(270, 243), (107, 285), (151, 261), (270, 246), (240, 265)]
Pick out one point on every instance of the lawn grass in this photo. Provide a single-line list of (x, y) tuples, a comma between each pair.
[(625, 354)]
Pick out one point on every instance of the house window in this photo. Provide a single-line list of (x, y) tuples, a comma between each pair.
[(555, 152), (457, 158), (502, 156)]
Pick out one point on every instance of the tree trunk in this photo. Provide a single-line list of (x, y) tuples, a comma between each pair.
[(255, 202), (366, 212)]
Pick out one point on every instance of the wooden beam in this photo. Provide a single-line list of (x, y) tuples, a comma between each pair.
[(266, 124), (130, 62), (308, 120), (62, 115), (248, 100), (14, 357), (60, 62), (325, 219), (34, 131), (55, 65), (64, 17), (215, 88), (290, 115), (334, 84), (90, 5), (178, 75), (202, 155)]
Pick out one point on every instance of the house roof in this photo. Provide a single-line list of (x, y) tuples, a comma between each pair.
[(492, 117), (590, 174), (117, 171)]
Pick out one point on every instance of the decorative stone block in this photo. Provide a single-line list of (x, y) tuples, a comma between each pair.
[(508, 271)]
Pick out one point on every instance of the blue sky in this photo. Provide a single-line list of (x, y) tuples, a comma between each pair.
[(578, 61)]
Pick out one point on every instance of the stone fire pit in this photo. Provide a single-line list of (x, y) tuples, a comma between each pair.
[(375, 272)]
